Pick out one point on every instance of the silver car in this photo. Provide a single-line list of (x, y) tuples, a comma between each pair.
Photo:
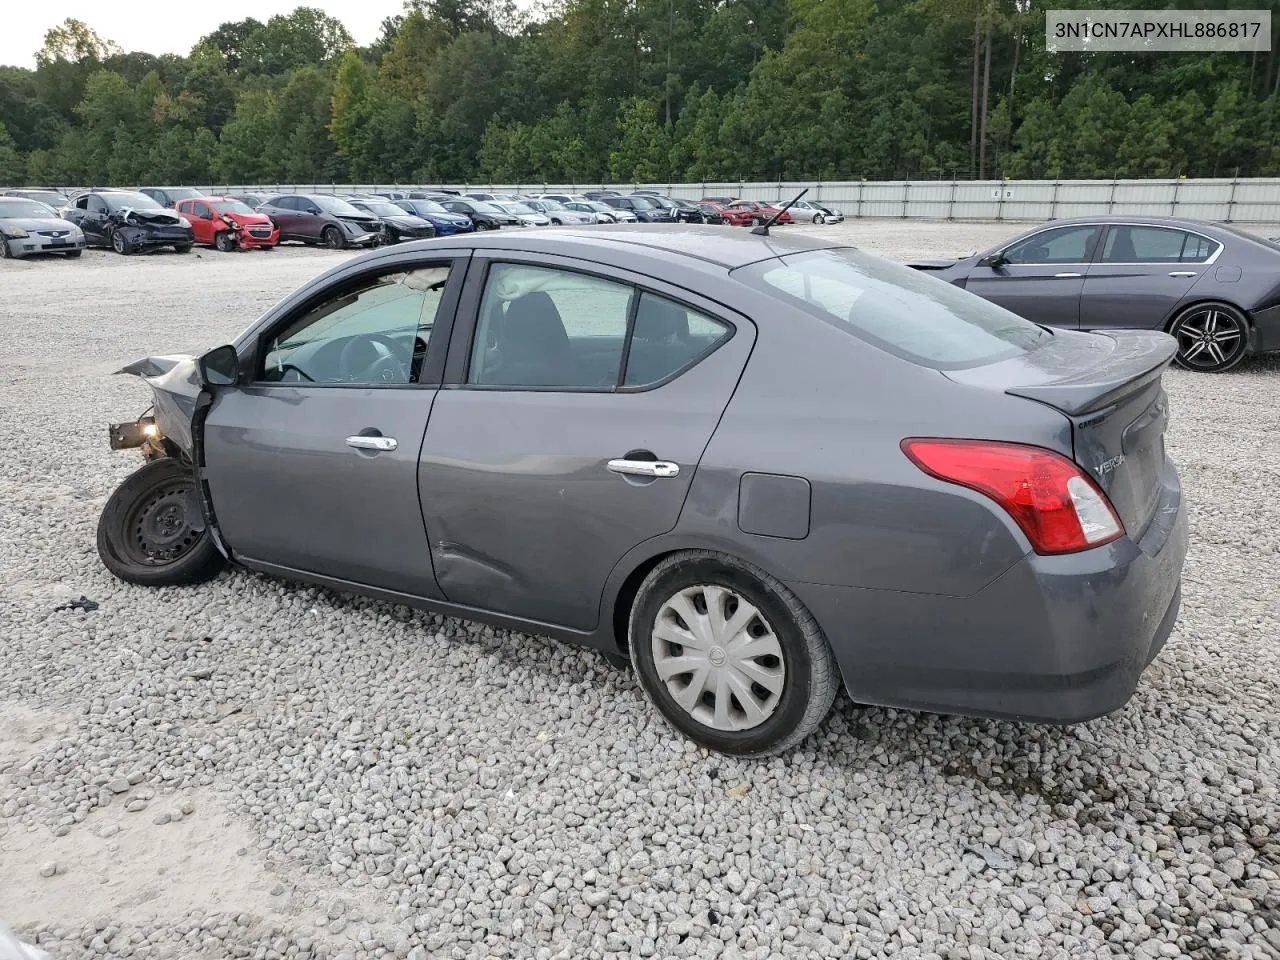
[(526, 215), (558, 213), (29, 226), (758, 468), (805, 210)]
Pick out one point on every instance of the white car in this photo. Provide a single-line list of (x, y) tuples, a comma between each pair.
[(806, 210)]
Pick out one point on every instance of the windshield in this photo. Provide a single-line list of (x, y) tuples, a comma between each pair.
[(602, 207), (128, 199), (645, 202), (517, 208), (182, 193), (231, 206), (382, 208), (906, 312), (12, 208), (479, 206), (1274, 244), (552, 205), (339, 208), (426, 206)]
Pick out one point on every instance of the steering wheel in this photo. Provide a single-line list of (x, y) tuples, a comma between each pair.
[(391, 365)]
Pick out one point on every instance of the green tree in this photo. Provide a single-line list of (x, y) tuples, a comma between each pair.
[(12, 168)]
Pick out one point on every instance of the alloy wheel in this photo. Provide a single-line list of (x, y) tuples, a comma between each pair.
[(719, 658), (1210, 338)]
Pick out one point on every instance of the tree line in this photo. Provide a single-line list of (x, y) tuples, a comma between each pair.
[(636, 90)]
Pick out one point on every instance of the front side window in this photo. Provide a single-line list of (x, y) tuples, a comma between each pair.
[(1133, 244), (375, 333), (908, 313), (201, 211), (95, 204), (1060, 245), (541, 327)]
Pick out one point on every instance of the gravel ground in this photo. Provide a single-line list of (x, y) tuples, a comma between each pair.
[(256, 769)]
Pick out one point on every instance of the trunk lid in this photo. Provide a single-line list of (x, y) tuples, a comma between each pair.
[(1109, 387)]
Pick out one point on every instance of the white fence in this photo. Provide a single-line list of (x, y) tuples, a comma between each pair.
[(1243, 201)]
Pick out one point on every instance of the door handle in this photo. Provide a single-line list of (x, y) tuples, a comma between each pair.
[(372, 443), (1183, 273), (1066, 276), (645, 468)]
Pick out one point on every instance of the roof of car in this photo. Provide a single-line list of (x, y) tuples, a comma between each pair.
[(707, 243)]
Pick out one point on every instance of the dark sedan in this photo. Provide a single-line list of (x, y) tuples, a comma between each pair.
[(484, 215), (645, 209), (169, 196), (1214, 288), (128, 222), (50, 197), (398, 224), (321, 218), (757, 466)]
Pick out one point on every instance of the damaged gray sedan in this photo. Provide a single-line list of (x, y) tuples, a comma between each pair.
[(759, 467), (128, 222)]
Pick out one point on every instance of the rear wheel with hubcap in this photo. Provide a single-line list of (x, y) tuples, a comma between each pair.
[(147, 534), (729, 655), (1212, 337)]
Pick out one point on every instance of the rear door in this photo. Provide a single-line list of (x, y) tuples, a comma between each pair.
[(1043, 276), (578, 405), (312, 460), (1142, 275)]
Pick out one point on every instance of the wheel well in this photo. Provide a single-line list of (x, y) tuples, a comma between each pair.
[(626, 598)]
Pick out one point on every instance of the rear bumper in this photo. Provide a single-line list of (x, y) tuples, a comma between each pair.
[(1266, 330), (1058, 639)]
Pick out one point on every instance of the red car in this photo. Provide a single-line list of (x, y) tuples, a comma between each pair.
[(713, 211), (229, 224), (759, 212)]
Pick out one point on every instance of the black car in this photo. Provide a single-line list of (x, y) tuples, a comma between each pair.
[(646, 209), (398, 224), (601, 194), (128, 222), (484, 215), (169, 196), (50, 198), (683, 211), (322, 218)]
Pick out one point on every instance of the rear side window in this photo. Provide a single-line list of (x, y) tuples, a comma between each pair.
[(668, 337), (1127, 244), (906, 312)]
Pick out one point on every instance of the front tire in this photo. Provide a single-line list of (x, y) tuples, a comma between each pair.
[(120, 243), (332, 238), (729, 655), (145, 535), (818, 218), (225, 241), (1212, 337)]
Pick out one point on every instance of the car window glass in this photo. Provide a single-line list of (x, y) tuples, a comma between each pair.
[(376, 333), (666, 338), (1136, 244), (202, 211), (1061, 245), (96, 205), (541, 327), (908, 313)]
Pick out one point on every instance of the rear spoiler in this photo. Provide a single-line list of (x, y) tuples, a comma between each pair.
[(1139, 357)]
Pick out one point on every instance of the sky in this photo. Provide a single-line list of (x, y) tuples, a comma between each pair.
[(163, 26)]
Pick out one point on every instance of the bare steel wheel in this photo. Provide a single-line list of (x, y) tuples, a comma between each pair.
[(1212, 337), (729, 655)]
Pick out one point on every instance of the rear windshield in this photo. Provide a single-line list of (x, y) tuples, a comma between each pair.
[(906, 312)]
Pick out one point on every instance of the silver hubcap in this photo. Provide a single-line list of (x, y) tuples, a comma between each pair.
[(719, 657), (1208, 338)]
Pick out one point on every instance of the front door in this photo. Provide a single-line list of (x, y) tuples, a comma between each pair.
[(89, 213), (201, 217), (578, 409), (1042, 276), (312, 461), (1142, 275)]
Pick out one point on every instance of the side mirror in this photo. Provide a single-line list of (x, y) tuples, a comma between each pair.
[(993, 260), (220, 367)]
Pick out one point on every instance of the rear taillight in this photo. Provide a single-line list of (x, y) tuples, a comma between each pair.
[(1054, 502)]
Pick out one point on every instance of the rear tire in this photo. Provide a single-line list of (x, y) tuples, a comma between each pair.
[(144, 533), (332, 238), (1212, 337), (762, 676)]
